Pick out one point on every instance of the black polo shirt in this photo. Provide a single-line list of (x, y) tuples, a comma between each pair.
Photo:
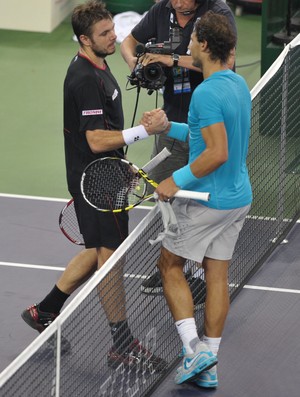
[(92, 100), (157, 23)]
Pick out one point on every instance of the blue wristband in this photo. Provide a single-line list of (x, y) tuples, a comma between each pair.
[(178, 131), (184, 176)]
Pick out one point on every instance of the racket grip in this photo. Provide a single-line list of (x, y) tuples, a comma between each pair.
[(193, 195), (161, 156)]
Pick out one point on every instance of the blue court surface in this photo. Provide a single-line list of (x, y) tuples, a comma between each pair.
[(259, 355)]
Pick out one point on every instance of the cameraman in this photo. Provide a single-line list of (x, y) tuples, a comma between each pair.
[(182, 76), (182, 79)]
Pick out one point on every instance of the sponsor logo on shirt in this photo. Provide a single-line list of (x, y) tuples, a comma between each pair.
[(93, 112), (115, 94)]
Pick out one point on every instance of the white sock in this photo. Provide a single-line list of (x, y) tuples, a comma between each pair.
[(212, 343), (187, 331)]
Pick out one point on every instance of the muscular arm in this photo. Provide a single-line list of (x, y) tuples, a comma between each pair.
[(128, 51), (105, 140), (185, 61), (214, 155)]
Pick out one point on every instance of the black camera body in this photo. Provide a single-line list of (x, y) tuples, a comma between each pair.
[(152, 76)]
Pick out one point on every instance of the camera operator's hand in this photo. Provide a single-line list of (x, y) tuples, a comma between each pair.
[(132, 62), (155, 122), (165, 60), (185, 61)]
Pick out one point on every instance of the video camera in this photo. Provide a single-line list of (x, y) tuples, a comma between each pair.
[(152, 76)]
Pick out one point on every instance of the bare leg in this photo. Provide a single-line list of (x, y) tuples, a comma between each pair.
[(111, 289), (217, 296), (79, 269), (176, 289)]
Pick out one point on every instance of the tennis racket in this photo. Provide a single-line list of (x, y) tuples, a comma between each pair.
[(112, 184), (69, 225), (68, 220)]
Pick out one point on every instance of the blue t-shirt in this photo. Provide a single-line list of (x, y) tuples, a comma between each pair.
[(223, 97)]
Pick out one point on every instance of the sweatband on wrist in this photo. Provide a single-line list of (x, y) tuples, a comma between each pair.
[(184, 176), (178, 131), (131, 135)]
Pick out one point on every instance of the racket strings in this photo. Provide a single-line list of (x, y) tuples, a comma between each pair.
[(69, 224), (112, 184)]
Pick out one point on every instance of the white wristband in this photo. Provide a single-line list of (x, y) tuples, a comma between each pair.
[(134, 134)]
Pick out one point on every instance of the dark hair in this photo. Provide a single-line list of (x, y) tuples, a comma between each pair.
[(86, 15), (216, 30)]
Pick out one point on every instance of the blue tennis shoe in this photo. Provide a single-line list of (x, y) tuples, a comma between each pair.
[(194, 364), (208, 378)]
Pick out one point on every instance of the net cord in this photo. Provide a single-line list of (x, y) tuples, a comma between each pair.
[(274, 67)]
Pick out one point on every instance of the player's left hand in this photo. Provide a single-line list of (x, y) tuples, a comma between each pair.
[(166, 189)]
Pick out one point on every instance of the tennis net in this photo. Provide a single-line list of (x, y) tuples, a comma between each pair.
[(43, 369)]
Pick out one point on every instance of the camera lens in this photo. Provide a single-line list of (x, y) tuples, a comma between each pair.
[(153, 72)]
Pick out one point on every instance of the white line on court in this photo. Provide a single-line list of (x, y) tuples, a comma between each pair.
[(18, 196), (140, 276), (29, 266), (290, 291), (55, 268), (41, 267), (55, 199)]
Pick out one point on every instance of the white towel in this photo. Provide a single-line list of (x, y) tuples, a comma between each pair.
[(169, 221)]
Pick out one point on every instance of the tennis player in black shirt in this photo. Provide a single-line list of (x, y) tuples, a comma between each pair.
[(93, 128)]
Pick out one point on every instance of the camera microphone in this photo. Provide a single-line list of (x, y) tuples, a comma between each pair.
[(139, 50)]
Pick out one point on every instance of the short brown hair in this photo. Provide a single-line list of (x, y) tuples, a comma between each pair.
[(216, 30), (86, 15)]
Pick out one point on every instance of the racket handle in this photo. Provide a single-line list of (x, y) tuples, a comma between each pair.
[(193, 195), (189, 194), (161, 156)]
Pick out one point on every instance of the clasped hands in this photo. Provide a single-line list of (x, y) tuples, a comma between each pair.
[(155, 121)]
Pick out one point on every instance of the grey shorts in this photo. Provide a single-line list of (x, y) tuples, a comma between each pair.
[(205, 232)]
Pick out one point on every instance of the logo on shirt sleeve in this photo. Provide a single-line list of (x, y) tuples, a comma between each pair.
[(93, 112), (115, 94)]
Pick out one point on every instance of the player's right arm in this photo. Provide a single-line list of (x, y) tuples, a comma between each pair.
[(105, 140)]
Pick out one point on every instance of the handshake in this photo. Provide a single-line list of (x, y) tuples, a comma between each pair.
[(155, 122)]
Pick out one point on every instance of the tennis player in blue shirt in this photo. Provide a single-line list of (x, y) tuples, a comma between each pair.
[(218, 130)]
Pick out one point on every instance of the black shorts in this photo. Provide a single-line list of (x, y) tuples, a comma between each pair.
[(100, 229)]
